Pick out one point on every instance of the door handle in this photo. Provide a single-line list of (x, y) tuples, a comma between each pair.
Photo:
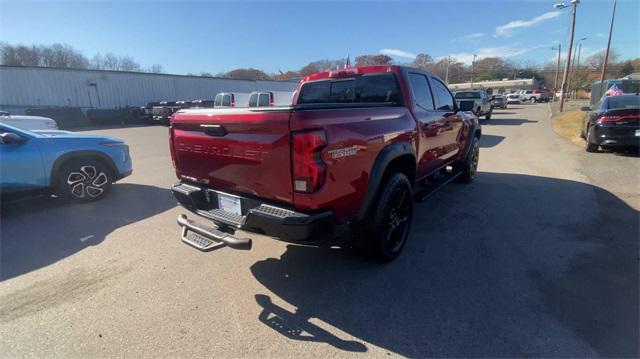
[(214, 130)]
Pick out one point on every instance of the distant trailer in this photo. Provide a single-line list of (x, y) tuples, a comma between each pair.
[(598, 88)]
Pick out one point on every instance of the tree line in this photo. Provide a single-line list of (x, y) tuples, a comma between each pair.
[(66, 57), (450, 69)]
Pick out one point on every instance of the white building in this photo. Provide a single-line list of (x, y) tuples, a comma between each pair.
[(503, 86), (28, 87)]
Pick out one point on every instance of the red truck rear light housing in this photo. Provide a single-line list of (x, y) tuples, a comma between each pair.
[(308, 169), (344, 73)]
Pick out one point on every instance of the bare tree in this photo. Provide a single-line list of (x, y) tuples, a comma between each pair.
[(156, 69), (127, 63), (64, 56), (596, 61), (248, 74), (20, 55), (373, 60), (110, 61), (422, 61)]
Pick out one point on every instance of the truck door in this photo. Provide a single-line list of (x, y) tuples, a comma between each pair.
[(432, 140), (452, 122)]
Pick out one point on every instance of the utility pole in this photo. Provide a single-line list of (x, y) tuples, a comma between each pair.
[(446, 74), (567, 64), (473, 69), (577, 68), (576, 56), (606, 54), (555, 83)]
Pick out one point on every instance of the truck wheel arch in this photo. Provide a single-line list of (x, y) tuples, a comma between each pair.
[(474, 131), (70, 156), (396, 153)]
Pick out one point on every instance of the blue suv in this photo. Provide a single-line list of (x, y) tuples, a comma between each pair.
[(75, 166)]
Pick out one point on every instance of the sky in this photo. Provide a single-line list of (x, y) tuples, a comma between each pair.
[(197, 36)]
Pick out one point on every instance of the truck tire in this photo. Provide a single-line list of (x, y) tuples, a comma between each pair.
[(83, 180), (383, 233), (469, 166), (532, 100)]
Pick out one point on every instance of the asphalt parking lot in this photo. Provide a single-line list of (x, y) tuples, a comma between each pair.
[(538, 257)]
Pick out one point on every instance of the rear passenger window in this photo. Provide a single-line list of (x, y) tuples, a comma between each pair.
[(263, 99), (253, 100), (444, 100), (376, 88), (226, 100), (421, 91), (218, 101)]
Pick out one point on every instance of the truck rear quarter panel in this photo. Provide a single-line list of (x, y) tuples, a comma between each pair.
[(354, 139)]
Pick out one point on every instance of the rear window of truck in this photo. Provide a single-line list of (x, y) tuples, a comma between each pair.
[(467, 95), (373, 88)]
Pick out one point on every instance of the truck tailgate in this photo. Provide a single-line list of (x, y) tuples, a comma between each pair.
[(243, 151)]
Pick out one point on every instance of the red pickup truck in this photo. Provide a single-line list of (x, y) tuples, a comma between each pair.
[(355, 147)]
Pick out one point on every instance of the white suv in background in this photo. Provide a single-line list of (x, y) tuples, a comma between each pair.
[(28, 122)]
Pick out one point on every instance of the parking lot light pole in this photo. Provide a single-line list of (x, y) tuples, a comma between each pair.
[(567, 64)]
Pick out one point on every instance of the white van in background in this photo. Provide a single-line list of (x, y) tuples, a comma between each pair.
[(270, 98), (231, 99)]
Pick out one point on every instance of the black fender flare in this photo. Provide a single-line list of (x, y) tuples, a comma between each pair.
[(474, 128), (81, 154), (376, 174)]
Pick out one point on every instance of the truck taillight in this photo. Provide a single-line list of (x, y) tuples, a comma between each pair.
[(172, 151), (308, 169), (611, 119)]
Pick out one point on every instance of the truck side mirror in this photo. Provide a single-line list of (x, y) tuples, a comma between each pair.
[(9, 137)]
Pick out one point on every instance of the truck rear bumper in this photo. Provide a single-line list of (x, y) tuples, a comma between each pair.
[(257, 216)]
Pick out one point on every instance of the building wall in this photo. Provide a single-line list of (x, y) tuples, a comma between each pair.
[(507, 85), (25, 87)]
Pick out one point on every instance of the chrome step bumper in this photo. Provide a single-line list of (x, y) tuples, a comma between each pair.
[(206, 238)]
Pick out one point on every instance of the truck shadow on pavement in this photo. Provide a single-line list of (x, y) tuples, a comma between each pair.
[(487, 141), (38, 232), (509, 266)]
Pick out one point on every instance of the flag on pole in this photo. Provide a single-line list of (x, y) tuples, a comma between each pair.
[(614, 91), (348, 63)]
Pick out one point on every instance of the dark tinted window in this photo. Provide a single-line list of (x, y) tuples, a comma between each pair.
[(623, 102), (467, 94), (444, 100), (226, 100), (421, 91), (263, 99), (378, 88), (253, 100)]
